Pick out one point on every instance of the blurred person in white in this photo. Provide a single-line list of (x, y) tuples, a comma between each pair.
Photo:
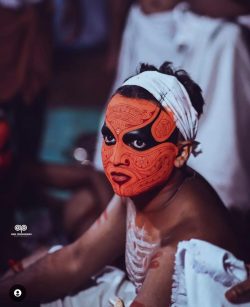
[(206, 39)]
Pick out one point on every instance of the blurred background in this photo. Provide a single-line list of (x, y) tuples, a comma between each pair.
[(54, 86), (60, 60)]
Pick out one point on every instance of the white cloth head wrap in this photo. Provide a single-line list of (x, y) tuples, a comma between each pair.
[(173, 95)]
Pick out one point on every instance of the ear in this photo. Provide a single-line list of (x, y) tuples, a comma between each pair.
[(185, 149)]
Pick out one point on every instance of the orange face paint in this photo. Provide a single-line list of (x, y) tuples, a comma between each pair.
[(135, 154)]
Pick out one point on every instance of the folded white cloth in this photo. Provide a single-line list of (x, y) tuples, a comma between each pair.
[(203, 272)]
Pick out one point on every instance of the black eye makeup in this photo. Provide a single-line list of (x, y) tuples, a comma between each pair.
[(140, 139), (108, 136)]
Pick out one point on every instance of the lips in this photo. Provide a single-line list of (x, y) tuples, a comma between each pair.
[(119, 178)]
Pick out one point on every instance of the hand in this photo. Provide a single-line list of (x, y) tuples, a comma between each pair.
[(117, 302), (240, 293)]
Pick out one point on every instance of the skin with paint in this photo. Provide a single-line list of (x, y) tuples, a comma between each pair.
[(159, 214), (132, 161), (146, 226)]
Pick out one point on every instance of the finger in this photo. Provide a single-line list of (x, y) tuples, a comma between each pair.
[(239, 293), (117, 302)]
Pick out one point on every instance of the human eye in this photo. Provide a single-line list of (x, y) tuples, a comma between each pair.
[(138, 144), (108, 136), (109, 139)]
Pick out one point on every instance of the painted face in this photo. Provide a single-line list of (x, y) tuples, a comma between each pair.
[(135, 154)]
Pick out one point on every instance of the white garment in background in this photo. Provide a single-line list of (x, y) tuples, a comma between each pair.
[(203, 273), (214, 53)]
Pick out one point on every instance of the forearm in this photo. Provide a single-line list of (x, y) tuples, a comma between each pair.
[(41, 277)]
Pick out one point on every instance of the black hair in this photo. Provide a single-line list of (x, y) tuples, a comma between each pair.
[(193, 89)]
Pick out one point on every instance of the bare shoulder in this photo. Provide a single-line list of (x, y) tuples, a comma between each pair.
[(198, 198), (112, 218), (202, 215)]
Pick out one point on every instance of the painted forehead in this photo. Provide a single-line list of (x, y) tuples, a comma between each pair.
[(129, 114), (126, 114)]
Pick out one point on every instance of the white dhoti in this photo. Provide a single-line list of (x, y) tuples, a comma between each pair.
[(203, 273), (214, 53), (107, 285)]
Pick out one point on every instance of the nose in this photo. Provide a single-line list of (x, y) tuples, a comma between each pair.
[(119, 157)]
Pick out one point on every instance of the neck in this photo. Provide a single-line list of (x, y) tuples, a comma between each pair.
[(157, 197)]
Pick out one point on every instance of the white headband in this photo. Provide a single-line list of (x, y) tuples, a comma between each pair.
[(173, 95)]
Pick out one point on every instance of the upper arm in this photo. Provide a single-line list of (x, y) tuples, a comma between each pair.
[(104, 241), (157, 286)]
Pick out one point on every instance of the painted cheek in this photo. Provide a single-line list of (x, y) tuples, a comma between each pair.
[(151, 168), (107, 152), (113, 157)]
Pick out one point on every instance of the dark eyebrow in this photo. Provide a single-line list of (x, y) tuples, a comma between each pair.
[(145, 135), (143, 132), (105, 130)]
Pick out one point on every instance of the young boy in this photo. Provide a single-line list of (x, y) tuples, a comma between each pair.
[(149, 133)]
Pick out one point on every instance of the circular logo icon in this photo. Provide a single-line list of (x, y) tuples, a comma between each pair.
[(17, 293)]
